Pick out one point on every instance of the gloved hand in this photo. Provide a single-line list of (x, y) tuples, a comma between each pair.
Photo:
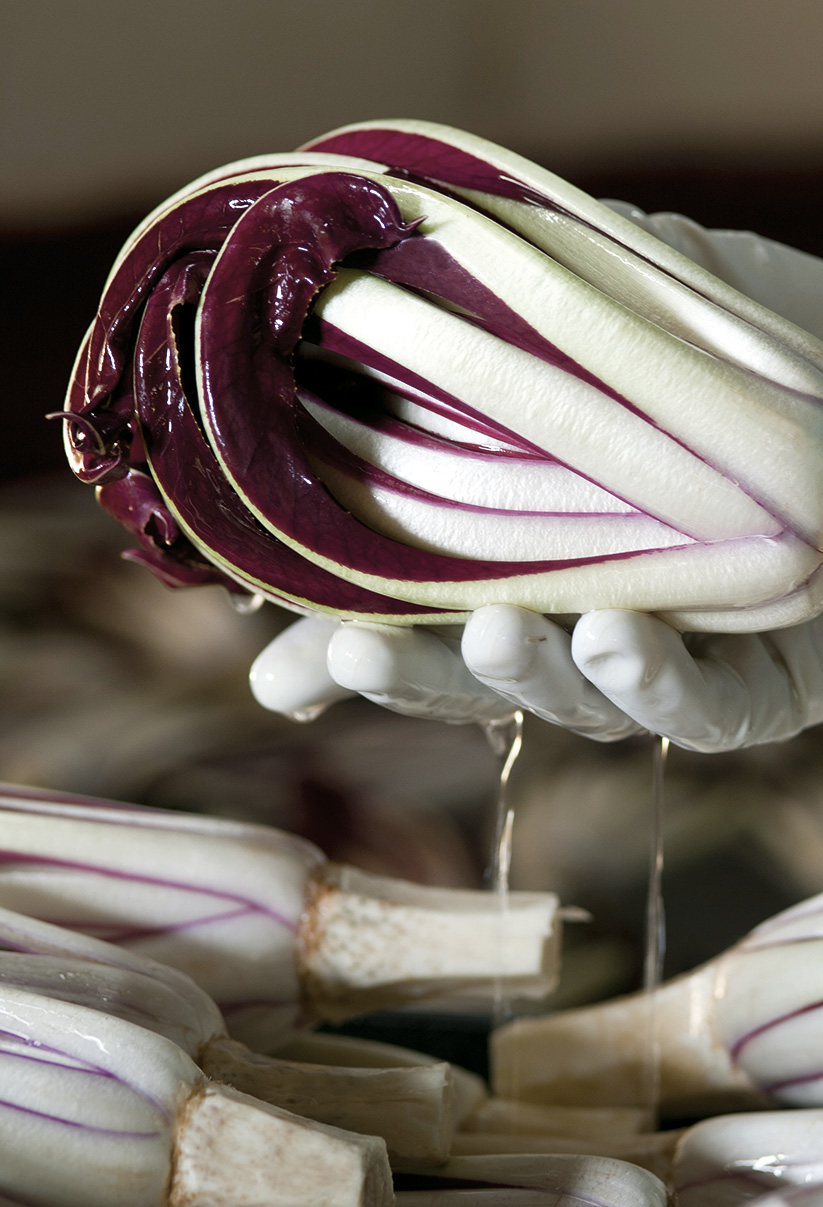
[(618, 672)]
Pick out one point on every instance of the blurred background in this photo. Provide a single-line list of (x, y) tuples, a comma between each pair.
[(111, 685)]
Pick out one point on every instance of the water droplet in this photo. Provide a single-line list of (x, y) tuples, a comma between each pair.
[(304, 715), (502, 732), (246, 605)]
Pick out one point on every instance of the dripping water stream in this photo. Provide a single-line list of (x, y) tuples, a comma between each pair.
[(506, 740), (655, 929)]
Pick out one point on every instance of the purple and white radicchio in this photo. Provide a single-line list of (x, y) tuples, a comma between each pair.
[(404, 373)]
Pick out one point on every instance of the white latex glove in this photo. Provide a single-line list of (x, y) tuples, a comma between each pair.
[(706, 692), (618, 672), (787, 281), (416, 671)]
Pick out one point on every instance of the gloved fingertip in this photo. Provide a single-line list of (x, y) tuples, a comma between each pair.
[(643, 666), (363, 658), (621, 651), (499, 641), (606, 627), (290, 675)]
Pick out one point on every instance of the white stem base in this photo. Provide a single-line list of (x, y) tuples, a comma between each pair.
[(584, 1179), (351, 1052), (652, 1151), (234, 1151), (373, 942), (411, 1108), (601, 1055)]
